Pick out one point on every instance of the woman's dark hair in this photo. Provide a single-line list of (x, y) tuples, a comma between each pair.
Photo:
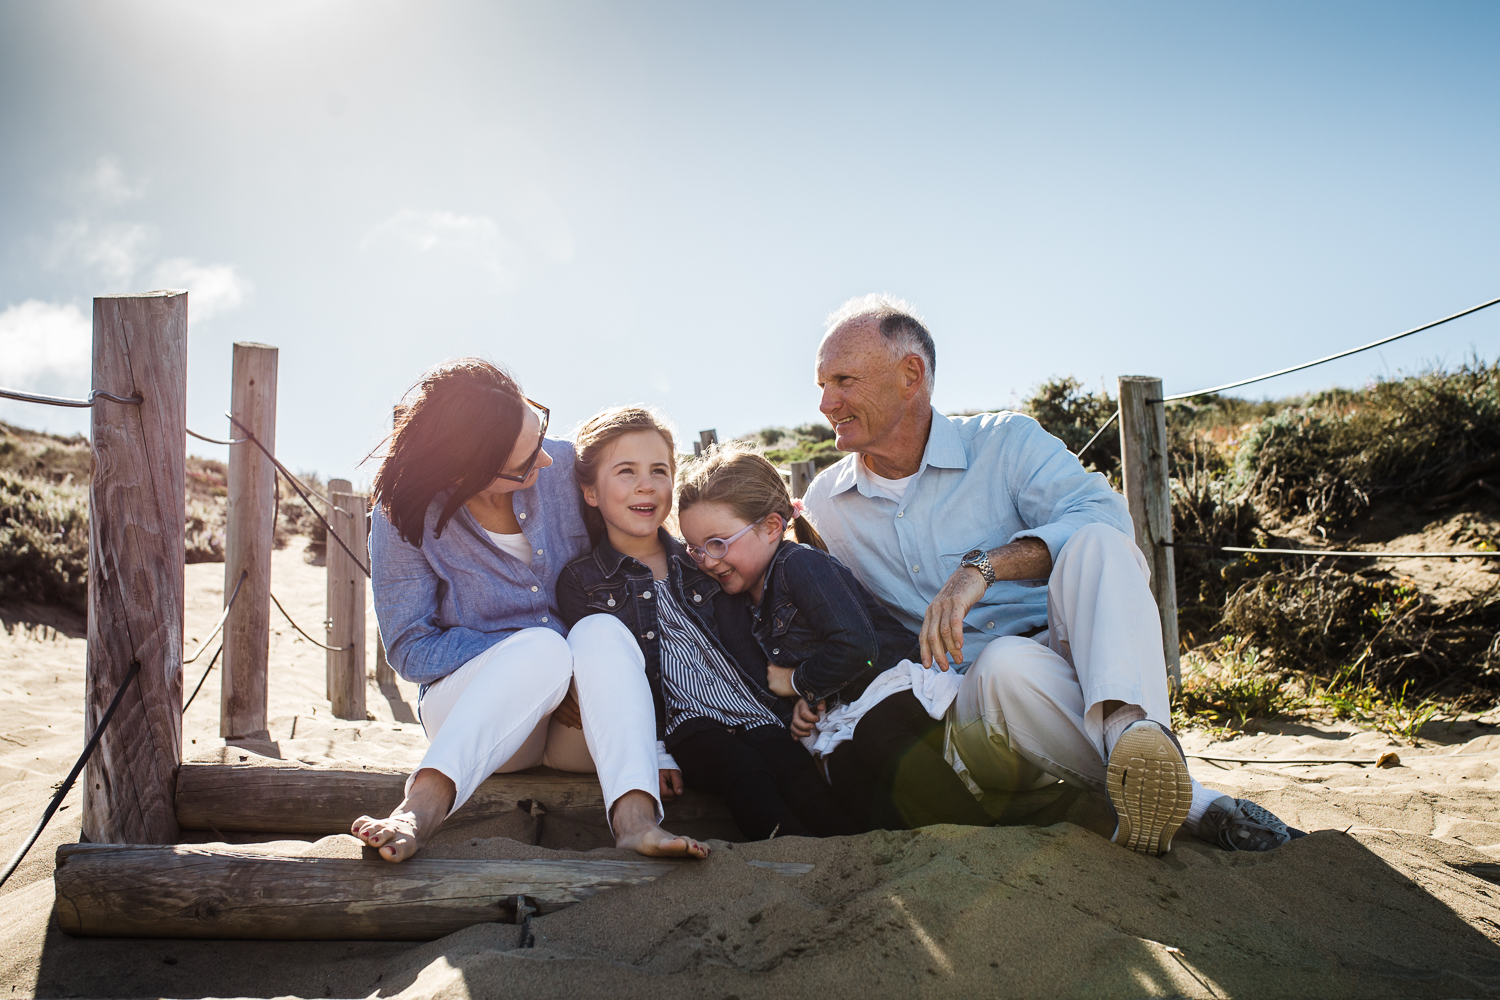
[(456, 432)]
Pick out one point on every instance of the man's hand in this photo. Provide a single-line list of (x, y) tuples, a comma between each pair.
[(779, 680), (942, 634), (805, 717), (567, 713), (671, 784)]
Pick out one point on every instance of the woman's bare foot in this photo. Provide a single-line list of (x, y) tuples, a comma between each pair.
[(407, 828), (634, 821)]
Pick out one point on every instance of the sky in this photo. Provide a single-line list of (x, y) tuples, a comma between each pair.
[(660, 202)]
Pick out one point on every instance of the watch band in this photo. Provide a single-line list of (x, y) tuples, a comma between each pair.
[(980, 560)]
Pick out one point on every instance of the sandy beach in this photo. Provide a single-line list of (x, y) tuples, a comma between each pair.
[(1396, 892)]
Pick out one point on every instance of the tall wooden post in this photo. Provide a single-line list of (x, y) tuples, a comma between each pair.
[(136, 567), (385, 676), (346, 601), (251, 527), (1148, 490), (706, 440)]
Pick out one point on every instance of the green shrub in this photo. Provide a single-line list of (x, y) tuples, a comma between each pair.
[(44, 541)]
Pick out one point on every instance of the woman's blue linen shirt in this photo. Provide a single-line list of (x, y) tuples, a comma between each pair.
[(441, 605)]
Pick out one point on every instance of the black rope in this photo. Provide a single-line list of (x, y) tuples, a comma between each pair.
[(1331, 357), (297, 484), (32, 397), (205, 437), (222, 618), (1113, 417), (206, 671), (331, 649), (1332, 552), (67, 785)]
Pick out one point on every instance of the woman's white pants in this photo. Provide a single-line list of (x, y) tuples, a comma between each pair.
[(494, 712)]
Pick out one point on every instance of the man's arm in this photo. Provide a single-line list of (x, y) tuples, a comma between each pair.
[(942, 635)]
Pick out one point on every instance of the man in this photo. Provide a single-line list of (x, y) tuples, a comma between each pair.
[(1018, 568)]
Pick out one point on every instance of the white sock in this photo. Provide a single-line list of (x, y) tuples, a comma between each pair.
[(1203, 797), (1117, 722)]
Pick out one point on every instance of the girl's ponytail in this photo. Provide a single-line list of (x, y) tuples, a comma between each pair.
[(802, 528), (743, 480)]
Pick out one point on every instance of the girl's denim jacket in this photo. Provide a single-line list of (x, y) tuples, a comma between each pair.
[(816, 617), (607, 582)]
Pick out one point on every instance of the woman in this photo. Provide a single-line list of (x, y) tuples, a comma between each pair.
[(474, 520)]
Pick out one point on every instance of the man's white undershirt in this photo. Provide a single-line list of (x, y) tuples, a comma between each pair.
[(895, 489), (516, 544)]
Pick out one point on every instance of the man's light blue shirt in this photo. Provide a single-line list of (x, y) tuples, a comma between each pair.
[(984, 481)]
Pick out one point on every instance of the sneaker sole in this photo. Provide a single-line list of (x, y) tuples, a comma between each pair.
[(1150, 788)]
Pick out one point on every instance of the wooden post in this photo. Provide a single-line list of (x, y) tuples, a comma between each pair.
[(251, 528), (340, 486), (1148, 490), (385, 676), (803, 473), (346, 601), (706, 440), (136, 567)]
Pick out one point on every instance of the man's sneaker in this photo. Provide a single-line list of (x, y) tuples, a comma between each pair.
[(1149, 786), (1241, 825)]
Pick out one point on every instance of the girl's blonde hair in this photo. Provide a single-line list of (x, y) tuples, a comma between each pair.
[(594, 438), (741, 478)]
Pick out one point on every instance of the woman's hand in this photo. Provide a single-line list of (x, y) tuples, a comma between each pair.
[(779, 680), (671, 784), (567, 713), (805, 717)]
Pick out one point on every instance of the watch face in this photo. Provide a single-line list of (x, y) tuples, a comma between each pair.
[(972, 555)]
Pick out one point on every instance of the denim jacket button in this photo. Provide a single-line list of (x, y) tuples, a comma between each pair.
[(650, 635), (647, 595), (611, 602), (775, 652), (697, 597), (533, 590)]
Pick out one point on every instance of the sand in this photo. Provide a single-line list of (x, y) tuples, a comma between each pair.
[(1396, 893)]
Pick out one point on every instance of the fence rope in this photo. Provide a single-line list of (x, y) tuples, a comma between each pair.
[(331, 649), (206, 671), (1333, 552), (67, 785), (1097, 434), (222, 618), (205, 437), (33, 397), (1331, 357)]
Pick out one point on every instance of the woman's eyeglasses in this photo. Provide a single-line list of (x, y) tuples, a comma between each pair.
[(718, 548), (543, 413)]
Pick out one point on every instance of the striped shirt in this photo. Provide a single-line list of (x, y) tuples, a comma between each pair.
[(697, 681)]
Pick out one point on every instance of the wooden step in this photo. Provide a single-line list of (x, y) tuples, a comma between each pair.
[(186, 891)]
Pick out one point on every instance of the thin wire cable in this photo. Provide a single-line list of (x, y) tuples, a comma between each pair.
[(205, 437), (67, 785), (32, 397), (222, 619), (1113, 417), (206, 671), (1331, 357), (331, 649), (1333, 552)]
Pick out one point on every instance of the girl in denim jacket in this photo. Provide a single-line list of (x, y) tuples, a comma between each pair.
[(724, 728), (830, 643)]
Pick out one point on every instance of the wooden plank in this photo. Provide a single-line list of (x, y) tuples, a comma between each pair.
[(1148, 491), (306, 800), (248, 543), (136, 566), (113, 890)]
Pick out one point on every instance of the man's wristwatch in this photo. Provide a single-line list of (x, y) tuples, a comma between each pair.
[(980, 560)]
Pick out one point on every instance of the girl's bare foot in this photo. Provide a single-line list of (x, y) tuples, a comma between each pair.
[(407, 828), (634, 821)]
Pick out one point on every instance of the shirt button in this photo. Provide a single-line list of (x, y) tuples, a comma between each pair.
[(989, 624), (533, 590), (650, 635), (914, 569), (521, 516), (538, 551), (544, 619), (647, 595), (900, 513)]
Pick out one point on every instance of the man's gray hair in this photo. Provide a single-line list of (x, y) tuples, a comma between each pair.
[(903, 332)]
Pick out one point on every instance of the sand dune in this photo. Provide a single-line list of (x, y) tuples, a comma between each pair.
[(1405, 903)]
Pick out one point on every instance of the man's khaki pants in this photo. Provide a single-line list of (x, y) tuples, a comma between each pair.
[(1030, 711)]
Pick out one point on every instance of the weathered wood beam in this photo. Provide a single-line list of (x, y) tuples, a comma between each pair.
[(346, 601), (116, 890), (292, 799), (1148, 491)]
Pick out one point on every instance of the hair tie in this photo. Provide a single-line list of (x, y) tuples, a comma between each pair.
[(798, 508)]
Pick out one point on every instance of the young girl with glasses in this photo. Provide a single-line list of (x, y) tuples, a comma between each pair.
[(869, 710), (726, 732)]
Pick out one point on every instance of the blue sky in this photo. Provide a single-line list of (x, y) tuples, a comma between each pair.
[(659, 202)]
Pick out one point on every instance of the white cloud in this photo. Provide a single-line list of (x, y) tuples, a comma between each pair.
[(106, 182), (45, 347), (115, 249), (475, 239), (212, 288)]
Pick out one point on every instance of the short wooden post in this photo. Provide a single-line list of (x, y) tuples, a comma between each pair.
[(346, 601), (385, 676), (136, 575), (802, 474), (251, 528), (706, 440), (1148, 491)]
